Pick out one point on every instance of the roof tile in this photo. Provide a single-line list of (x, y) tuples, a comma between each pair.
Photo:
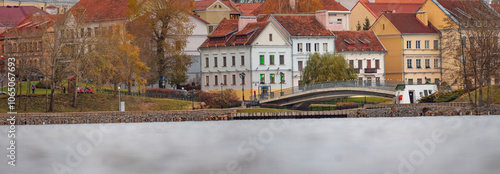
[(103, 10), (12, 15), (408, 23), (371, 42), (378, 8), (302, 25)]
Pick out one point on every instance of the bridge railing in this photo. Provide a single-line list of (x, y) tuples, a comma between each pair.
[(382, 85)]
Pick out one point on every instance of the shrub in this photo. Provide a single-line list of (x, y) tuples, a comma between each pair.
[(213, 99), (442, 96), (42, 85), (347, 105), (165, 91)]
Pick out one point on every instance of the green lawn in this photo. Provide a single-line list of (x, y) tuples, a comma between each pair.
[(495, 95), (357, 100), (95, 102), (256, 110)]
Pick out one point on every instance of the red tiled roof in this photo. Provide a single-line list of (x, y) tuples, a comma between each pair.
[(203, 4), (10, 16), (332, 5), (408, 23), (31, 23), (227, 31), (231, 6), (396, 1), (496, 7), (103, 10), (466, 9), (203, 20), (302, 25), (356, 38), (248, 8), (377, 8), (225, 27)]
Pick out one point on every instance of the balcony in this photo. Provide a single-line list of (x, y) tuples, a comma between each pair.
[(370, 70)]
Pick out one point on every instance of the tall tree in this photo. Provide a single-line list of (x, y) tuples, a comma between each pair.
[(366, 25), (167, 25), (327, 67), (358, 26)]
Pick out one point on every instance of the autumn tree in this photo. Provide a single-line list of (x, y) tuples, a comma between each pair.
[(327, 67), (166, 24), (474, 45), (287, 7)]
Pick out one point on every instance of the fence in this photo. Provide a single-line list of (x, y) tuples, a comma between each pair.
[(186, 97)]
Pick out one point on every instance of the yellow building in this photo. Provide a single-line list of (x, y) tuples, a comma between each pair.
[(372, 11), (413, 47), (213, 11)]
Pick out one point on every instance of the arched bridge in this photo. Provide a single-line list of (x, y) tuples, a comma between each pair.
[(302, 98)]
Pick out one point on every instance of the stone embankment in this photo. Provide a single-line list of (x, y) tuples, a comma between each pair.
[(213, 114), (115, 117)]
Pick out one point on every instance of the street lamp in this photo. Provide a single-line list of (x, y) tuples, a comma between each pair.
[(242, 76), (222, 95), (119, 100), (281, 82)]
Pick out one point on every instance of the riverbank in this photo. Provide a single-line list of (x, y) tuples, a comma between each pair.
[(232, 114)]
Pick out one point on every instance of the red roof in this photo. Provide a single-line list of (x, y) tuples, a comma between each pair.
[(463, 10), (496, 7), (10, 16), (248, 8), (203, 20), (231, 6), (226, 34), (408, 23), (332, 5), (30, 24), (302, 25), (377, 8), (396, 1), (103, 10), (357, 41)]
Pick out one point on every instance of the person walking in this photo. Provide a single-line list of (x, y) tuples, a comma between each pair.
[(33, 88)]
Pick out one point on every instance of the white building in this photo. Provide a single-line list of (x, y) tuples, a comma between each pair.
[(200, 33), (247, 46), (364, 52), (307, 36)]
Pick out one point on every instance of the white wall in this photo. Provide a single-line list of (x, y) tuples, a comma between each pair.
[(364, 56), (304, 55), (199, 35)]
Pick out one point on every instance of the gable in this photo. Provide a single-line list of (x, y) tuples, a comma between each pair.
[(384, 27), (277, 37), (436, 16), (219, 6)]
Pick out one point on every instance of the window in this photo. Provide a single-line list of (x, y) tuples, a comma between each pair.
[(262, 78), (271, 59), (270, 37), (368, 64), (282, 78), (300, 65), (408, 63), (225, 79), (207, 80), (427, 63), (243, 81), (210, 29), (410, 81), (419, 63), (419, 81), (233, 61), (282, 59), (234, 79), (299, 47), (417, 44), (325, 47), (436, 63), (89, 32), (82, 32), (224, 61), (377, 64), (242, 60), (427, 44), (216, 80), (427, 80), (339, 20), (436, 44), (207, 63), (383, 26), (215, 61), (262, 61), (271, 78), (408, 44), (351, 63), (360, 64), (316, 47), (308, 47), (436, 81)]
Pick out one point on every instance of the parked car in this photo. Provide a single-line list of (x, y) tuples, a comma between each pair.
[(83, 90)]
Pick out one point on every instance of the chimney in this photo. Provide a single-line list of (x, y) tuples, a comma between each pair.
[(422, 16), (244, 20)]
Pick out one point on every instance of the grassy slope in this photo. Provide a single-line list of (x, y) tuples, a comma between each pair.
[(97, 102), (495, 95)]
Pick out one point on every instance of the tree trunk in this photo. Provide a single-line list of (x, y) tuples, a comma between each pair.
[(75, 93), (51, 107)]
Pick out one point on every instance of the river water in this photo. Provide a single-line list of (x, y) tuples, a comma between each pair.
[(427, 145)]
